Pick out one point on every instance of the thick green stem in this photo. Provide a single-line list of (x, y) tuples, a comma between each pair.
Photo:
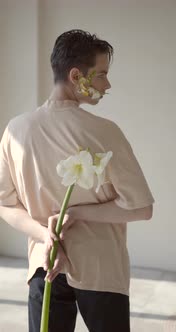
[(45, 307), (53, 253)]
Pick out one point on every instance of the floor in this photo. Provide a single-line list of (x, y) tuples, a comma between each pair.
[(152, 304)]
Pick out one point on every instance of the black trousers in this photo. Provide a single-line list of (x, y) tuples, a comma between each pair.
[(101, 311)]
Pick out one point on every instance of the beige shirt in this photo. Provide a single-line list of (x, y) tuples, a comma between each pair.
[(31, 147)]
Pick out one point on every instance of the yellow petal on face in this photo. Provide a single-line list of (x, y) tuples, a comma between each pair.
[(90, 76), (85, 93), (82, 80), (83, 90), (86, 89)]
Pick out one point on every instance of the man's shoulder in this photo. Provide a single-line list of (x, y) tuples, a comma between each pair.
[(111, 134), (109, 127), (23, 122), (100, 120)]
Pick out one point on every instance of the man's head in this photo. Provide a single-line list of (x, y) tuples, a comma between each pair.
[(77, 53)]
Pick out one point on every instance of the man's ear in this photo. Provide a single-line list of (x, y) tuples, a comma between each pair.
[(74, 75)]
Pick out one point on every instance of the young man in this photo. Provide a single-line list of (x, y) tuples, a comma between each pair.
[(92, 265)]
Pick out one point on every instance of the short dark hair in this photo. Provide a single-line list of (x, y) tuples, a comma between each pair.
[(76, 48)]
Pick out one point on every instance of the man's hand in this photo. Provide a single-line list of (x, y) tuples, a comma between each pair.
[(68, 221), (50, 237), (59, 262)]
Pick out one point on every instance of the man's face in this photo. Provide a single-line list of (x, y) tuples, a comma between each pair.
[(99, 81)]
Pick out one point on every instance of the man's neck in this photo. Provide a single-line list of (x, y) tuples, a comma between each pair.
[(62, 92)]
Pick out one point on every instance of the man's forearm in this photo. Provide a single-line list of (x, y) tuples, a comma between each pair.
[(109, 212), (18, 218)]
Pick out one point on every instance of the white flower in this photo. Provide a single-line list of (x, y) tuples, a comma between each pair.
[(100, 162), (81, 169), (95, 94), (77, 169)]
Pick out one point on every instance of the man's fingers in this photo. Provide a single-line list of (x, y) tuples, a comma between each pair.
[(61, 258), (55, 270), (65, 227), (52, 221), (46, 256), (52, 275), (50, 241), (62, 233)]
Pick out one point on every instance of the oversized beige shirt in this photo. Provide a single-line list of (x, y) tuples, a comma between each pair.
[(31, 147)]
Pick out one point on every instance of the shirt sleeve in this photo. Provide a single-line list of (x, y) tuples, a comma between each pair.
[(126, 175), (8, 194)]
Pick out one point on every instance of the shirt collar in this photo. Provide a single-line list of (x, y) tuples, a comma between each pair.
[(58, 104)]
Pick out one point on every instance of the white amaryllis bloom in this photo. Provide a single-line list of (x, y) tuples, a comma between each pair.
[(77, 169), (100, 162)]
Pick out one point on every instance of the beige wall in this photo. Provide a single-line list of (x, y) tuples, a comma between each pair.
[(142, 98), (18, 83)]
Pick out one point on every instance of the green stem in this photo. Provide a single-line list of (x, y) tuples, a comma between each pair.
[(53, 253)]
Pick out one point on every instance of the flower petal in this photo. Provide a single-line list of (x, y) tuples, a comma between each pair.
[(105, 157), (86, 178), (60, 168), (94, 94), (69, 178), (69, 162), (100, 178), (64, 165), (85, 158)]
